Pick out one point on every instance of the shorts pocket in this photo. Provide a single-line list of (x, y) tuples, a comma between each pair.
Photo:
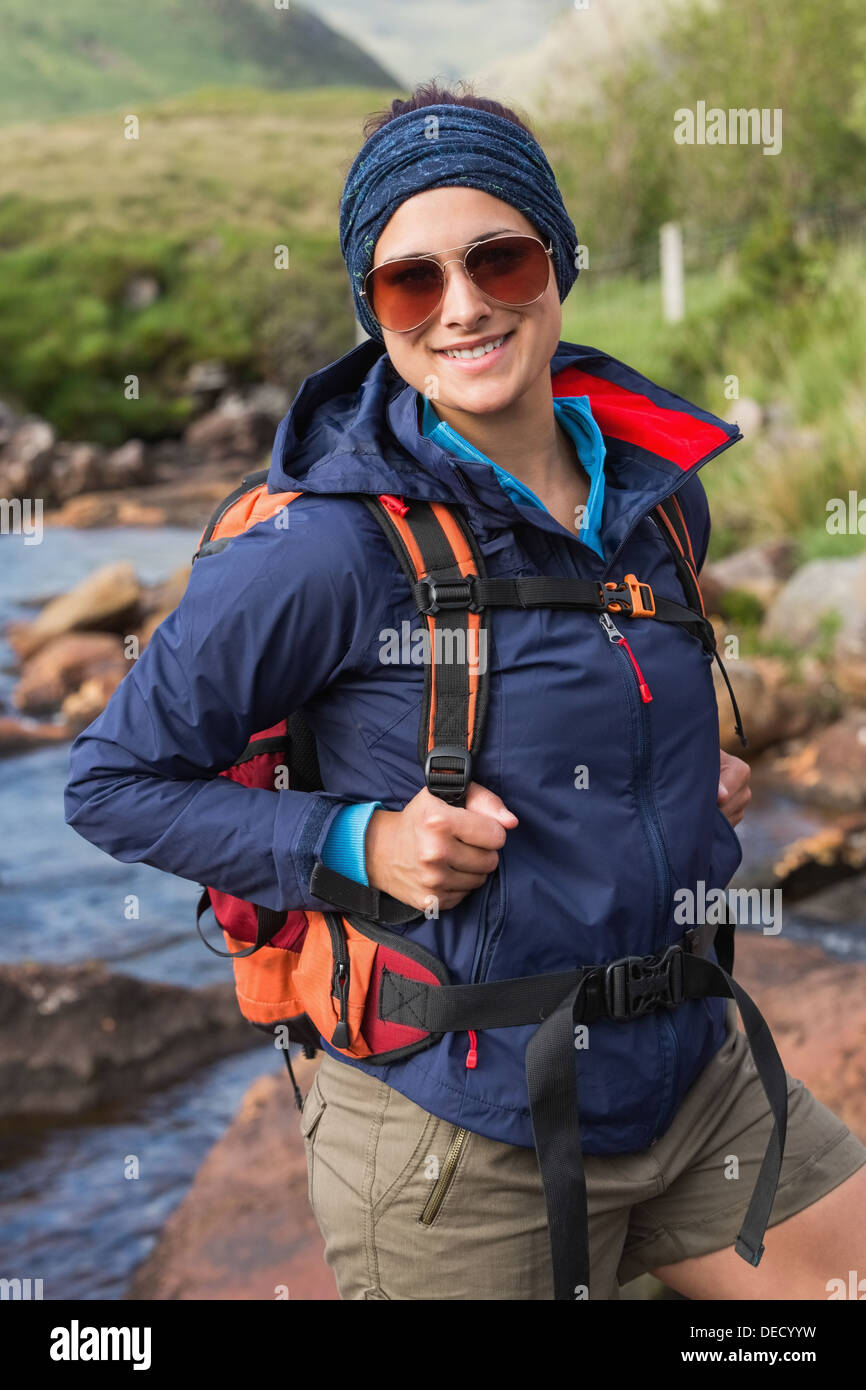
[(445, 1178), (315, 1106)]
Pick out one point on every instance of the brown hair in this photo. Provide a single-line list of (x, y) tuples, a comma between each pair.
[(431, 94)]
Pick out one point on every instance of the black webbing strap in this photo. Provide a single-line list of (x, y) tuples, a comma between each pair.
[(350, 896), (620, 990), (268, 923), (702, 979), (545, 591), (551, 1079)]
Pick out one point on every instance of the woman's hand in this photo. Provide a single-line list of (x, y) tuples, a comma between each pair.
[(431, 854), (734, 790)]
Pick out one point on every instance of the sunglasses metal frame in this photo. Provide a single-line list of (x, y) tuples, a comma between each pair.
[(431, 256)]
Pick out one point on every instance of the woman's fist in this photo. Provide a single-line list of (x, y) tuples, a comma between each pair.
[(432, 853)]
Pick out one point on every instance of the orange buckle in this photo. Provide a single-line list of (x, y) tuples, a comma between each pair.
[(629, 597)]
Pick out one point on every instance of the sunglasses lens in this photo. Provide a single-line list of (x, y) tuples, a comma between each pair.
[(510, 269), (513, 270), (402, 294)]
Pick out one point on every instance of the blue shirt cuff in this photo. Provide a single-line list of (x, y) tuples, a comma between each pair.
[(343, 850)]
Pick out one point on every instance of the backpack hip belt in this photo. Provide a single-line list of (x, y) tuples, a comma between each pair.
[(379, 996)]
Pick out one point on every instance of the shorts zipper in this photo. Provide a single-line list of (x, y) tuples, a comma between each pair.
[(445, 1179)]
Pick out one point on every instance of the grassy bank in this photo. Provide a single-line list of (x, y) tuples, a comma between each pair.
[(803, 347), (198, 203), (218, 180)]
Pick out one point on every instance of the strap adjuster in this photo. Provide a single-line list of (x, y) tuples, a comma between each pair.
[(432, 595), (635, 985), (448, 783), (629, 596)]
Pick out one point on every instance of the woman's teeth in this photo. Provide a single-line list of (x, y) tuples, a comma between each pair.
[(479, 351)]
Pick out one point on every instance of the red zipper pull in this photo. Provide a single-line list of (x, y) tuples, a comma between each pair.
[(394, 504), (472, 1054), (642, 685)]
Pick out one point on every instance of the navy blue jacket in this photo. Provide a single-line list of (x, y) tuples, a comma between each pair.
[(293, 616)]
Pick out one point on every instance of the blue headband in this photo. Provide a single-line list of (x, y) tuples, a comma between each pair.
[(464, 147)]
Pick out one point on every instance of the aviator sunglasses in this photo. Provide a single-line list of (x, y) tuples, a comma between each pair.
[(510, 268)]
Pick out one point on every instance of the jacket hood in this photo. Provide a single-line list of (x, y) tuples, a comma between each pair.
[(354, 428)]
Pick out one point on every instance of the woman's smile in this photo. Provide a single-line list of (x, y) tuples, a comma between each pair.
[(484, 355)]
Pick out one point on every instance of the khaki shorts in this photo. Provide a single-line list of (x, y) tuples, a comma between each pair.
[(412, 1208)]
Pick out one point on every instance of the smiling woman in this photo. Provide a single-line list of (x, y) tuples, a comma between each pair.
[(481, 942)]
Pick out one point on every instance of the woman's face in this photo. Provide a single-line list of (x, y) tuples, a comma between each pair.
[(443, 218)]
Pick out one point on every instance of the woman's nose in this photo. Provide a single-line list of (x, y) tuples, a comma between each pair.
[(462, 299)]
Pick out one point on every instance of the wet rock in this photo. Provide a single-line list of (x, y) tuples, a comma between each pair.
[(62, 665), (813, 863), (25, 459), (74, 468), (126, 466), (829, 768), (772, 707), (108, 509), (843, 904), (162, 598), (81, 707), (235, 429), (759, 570), (207, 380), (821, 596), (185, 499), (106, 600), (246, 1230), (74, 1037), (20, 735), (816, 1009)]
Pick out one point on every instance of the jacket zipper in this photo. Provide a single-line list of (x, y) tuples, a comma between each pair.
[(489, 936), (340, 978), (650, 815), (445, 1179)]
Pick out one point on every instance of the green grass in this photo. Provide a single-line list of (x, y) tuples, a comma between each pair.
[(805, 348), (221, 177), (215, 182)]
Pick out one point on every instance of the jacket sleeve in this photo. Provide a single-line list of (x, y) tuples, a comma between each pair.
[(264, 624)]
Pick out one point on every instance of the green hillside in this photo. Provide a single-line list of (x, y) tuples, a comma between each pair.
[(198, 204), (58, 60)]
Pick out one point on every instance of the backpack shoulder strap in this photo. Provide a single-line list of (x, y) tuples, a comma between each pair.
[(439, 555), (249, 504), (668, 516)]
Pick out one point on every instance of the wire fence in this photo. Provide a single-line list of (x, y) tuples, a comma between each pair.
[(704, 247)]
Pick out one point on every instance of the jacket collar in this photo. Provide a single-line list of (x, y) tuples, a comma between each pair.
[(354, 427)]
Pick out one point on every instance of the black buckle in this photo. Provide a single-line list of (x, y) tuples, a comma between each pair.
[(635, 985), (431, 595), (449, 784)]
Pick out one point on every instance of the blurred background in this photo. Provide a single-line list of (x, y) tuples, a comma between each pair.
[(151, 160)]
